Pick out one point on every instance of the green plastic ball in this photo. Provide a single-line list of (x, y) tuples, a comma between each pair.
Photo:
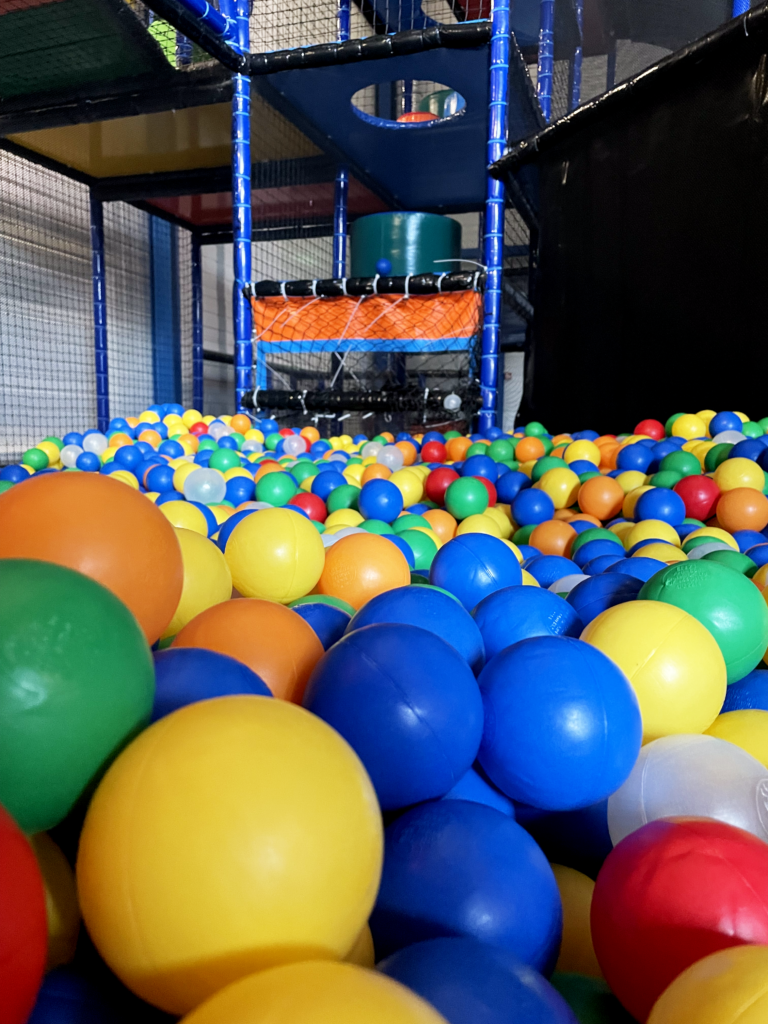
[(466, 497), (207, 444), (671, 422), (224, 459), (271, 441), (666, 478), (449, 435), (681, 462), (303, 469), (239, 439), (583, 477), (535, 429), (334, 602), (35, 458), (522, 536), (345, 496), (376, 526), (478, 448), (545, 463), (751, 429), (501, 450), (276, 489), (694, 542), (734, 560), (594, 533), (408, 522), (725, 601), (764, 424), (423, 547), (716, 455), (76, 683), (548, 446)]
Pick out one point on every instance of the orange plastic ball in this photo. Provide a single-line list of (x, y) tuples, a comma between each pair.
[(312, 434), (457, 448), (151, 437), (375, 472), (601, 497), (267, 467), (389, 436), (103, 529), (360, 566), (119, 441), (586, 518), (743, 508), (529, 448), (553, 537), (240, 423), (442, 523), (565, 514), (269, 638), (409, 452)]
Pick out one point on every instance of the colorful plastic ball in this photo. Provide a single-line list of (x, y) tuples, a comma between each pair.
[(700, 495), (651, 428), (469, 981), (404, 547), (473, 787), (553, 537), (738, 473), (278, 488), (207, 579), (598, 565), (275, 555), (23, 929), (434, 451), (563, 726), (240, 489), (673, 663), (689, 426), (725, 602), (601, 496), (325, 482), (78, 650), (577, 953), (104, 529), (88, 462), (532, 506), (438, 482), (359, 567), (431, 609), (380, 499), (466, 497), (594, 549), (327, 616), (634, 457), (546, 569), (671, 893), (473, 566), (724, 421), (170, 901), (748, 693), (747, 729), (278, 645), (593, 596), (561, 485), (480, 466), (444, 860), (517, 613), (184, 675), (742, 508), (662, 504), (367, 687), (510, 484), (61, 906), (684, 463)]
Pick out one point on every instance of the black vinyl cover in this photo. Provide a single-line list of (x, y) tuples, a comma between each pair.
[(651, 294)]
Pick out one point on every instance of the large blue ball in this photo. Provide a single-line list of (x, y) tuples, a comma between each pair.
[(240, 489), (480, 465), (634, 456), (725, 421), (473, 566), (459, 868), (660, 503), (594, 548), (469, 982), (641, 568), (431, 609), (547, 569), (517, 613), (325, 482), (563, 725), (184, 675), (532, 507), (328, 621), (749, 693), (473, 787), (592, 596), (380, 499), (747, 539), (408, 705), (510, 484)]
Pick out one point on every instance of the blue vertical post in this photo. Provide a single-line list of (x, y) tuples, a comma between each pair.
[(341, 188), (740, 7), (241, 205), (544, 80), (197, 324), (166, 320), (493, 244), (574, 84), (98, 271)]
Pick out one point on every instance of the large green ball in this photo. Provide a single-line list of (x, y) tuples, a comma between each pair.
[(723, 600), (466, 497), (76, 682)]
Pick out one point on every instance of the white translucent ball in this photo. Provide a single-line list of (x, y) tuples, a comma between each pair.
[(729, 437), (371, 449), (207, 486), (252, 446), (217, 430), (566, 583), (294, 445), (337, 457), (704, 549), (699, 776), (96, 443), (452, 402), (69, 454), (391, 457), (329, 539)]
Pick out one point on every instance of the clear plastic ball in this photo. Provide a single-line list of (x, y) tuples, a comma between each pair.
[(371, 449), (207, 486), (705, 549), (337, 457), (329, 539), (452, 402), (96, 443), (252, 446), (729, 437), (391, 457), (217, 430), (566, 583), (294, 445), (69, 454)]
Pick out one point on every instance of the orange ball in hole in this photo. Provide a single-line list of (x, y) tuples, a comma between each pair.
[(553, 537), (743, 508), (601, 497), (360, 566), (103, 529), (267, 637)]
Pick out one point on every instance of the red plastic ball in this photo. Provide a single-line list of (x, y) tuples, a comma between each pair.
[(285, 432), (670, 894), (651, 428), (199, 428), (23, 927), (434, 451), (700, 495), (312, 505), (438, 482), (490, 488)]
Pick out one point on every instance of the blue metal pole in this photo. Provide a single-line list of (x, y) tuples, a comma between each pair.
[(574, 91), (241, 206), (341, 189), (98, 272), (740, 7), (222, 24), (493, 245), (546, 73), (197, 324)]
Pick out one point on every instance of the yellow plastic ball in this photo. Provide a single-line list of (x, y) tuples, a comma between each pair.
[(689, 426), (233, 835), (352, 474), (316, 993), (727, 987), (254, 435), (190, 417), (148, 417), (760, 579), (343, 517), (661, 552), (735, 473), (409, 484), (528, 580), (184, 515), (501, 519), (672, 661), (631, 498), (180, 474), (621, 530), (479, 523), (586, 450), (61, 907), (515, 551), (630, 480), (276, 555), (716, 533), (706, 415), (577, 954), (207, 579), (51, 450), (126, 477), (562, 485), (742, 416), (747, 729), (107, 455), (527, 467), (362, 953), (229, 474), (652, 529), (221, 513)]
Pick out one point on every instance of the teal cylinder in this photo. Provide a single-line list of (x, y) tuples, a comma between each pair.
[(412, 242)]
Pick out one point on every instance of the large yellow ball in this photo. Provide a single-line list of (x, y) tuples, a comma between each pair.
[(689, 426), (735, 473), (61, 906), (207, 579), (651, 529), (672, 661), (183, 515), (316, 993), (577, 954), (410, 484), (582, 450), (276, 555), (747, 729), (233, 835), (562, 485), (727, 987)]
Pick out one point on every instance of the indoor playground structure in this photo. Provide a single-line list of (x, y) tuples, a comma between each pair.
[(340, 684)]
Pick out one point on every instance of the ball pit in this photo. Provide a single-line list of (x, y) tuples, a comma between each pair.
[(482, 629)]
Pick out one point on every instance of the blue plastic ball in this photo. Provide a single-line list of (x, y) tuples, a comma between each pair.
[(635, 456), (749, 693), (184, 675), (160, 479), (759, 553), (408, 705), (593, 548), (240, 489), (324, 483), (169, 496), (591, 597), (226, 528), (547, 569), (470, 982), (431, 609), (380, 499), (747, 539), (641, 568), (600, 563), (518, 613), (404, 546), (14, 474), (724, 421), (510, 484), (383, 267), (319, 448), (579, 839), (563, 723), (473, 787), (458, 868), (72, 438), (328, 621), (480, 465), (88, 462), (660, 503), (128, 457), (473, 566), (532, 507), (749, 449)]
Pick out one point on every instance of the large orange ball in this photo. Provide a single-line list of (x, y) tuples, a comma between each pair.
[(601, 496), (267, 637), (360, 566), (553, 537), (103, 529), (743, 508), (529, 448)]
